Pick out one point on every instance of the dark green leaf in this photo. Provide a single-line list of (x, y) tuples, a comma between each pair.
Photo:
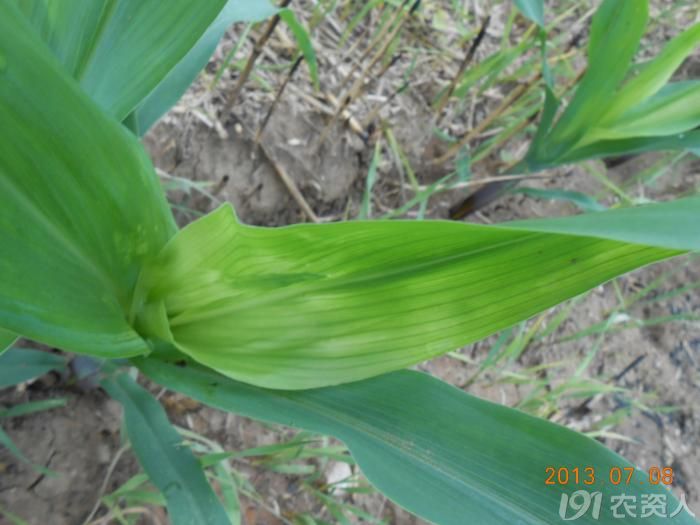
[(551, 106), (532, 9), (20, 364), (671, 224), (6, 340), (440, 453), (172, 87), (630, 146), (82, 207), (119, 51), (171, 466)]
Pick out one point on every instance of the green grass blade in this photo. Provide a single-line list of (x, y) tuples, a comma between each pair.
[(34, 406), (170, 465), (366, 207), (120, 51), (305, 44), (490, 67), (20, 364), (440, 453), (342, 302), (14, 519), (356, 20), (82, 207), (172, 86), (6, 441), (30, 362)]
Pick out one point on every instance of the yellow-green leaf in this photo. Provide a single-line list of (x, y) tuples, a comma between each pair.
[(655, 74), (309, 305), (673, 110)]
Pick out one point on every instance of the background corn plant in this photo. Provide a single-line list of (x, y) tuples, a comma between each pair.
[(310, 325)]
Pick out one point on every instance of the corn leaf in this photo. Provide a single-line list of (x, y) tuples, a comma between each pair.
[(532, 9), (435, 450), (655, 74), (172, 87), (82, 208), (119, 51), (644, 114), (581, 200), (309, 306), (549, 112), (673, 110), (674, 225), (346, 301), (629, 146), (171, 466), (20, 364), (6, 340), (615, 34)]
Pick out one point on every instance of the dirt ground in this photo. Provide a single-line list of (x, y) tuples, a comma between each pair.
[(200, 142)]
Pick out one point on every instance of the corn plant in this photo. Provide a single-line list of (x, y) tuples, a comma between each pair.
[(620, 108), (310, 326)]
